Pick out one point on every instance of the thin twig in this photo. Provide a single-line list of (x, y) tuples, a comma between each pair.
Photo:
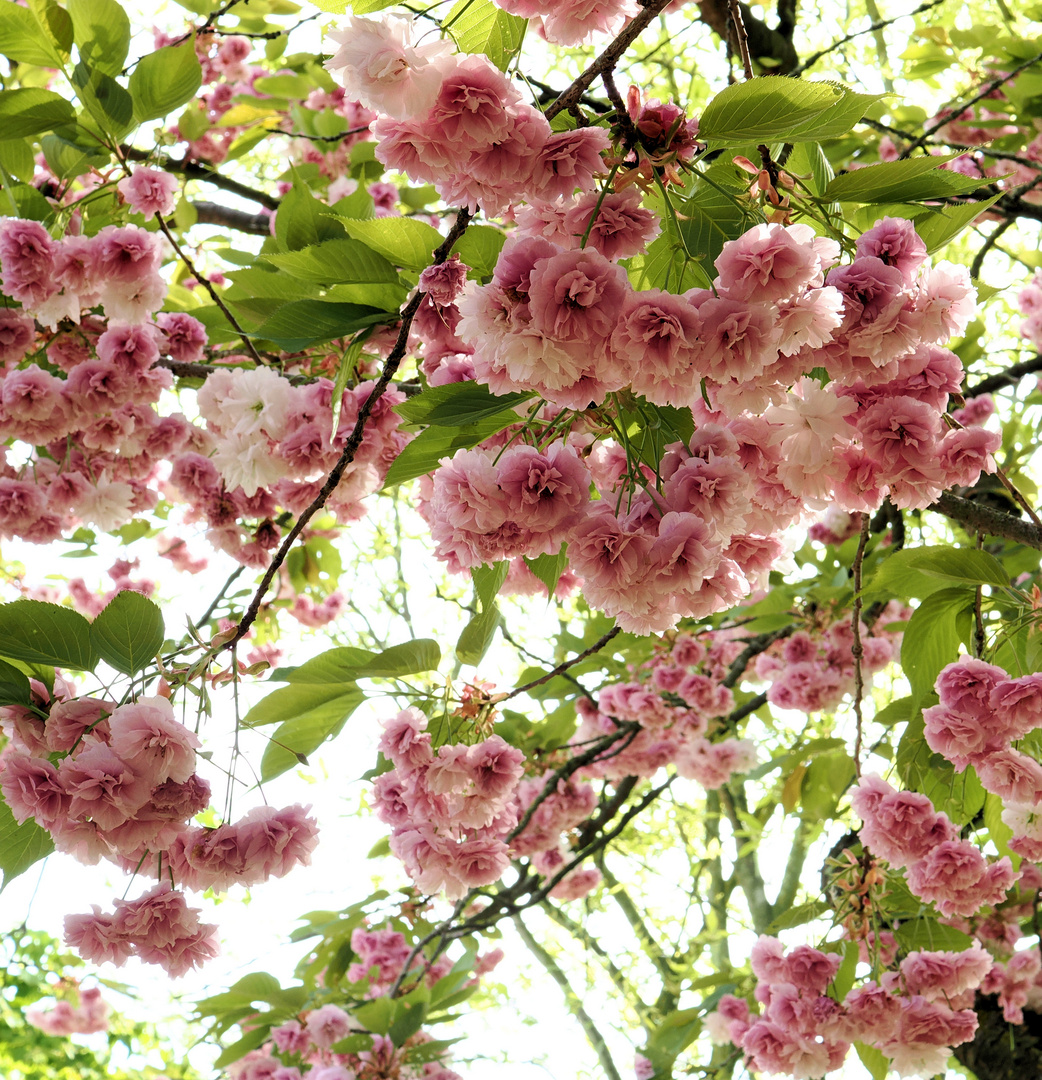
[(561, 668), (879, 24), (986, 89), (208, 285), (742, 41), (232, 578), (354, 440), (607, 59), (857, 649)]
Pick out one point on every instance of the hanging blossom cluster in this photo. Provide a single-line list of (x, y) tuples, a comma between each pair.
[(903, 828), (914, 1015), (123, 787), (699, 534), (981, 714), (679, 706), (460, 814), (458, 122), (813, 670), (64, 1018), (267, 443), (307, 1049)]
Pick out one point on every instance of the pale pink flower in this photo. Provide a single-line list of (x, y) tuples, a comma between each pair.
[(149, 191), (378, 65)]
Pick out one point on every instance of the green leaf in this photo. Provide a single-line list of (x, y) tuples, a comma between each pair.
[(922, 571), (42, 633), (376, 1015), (14, 685), (23, 39), (56, 25), (295, 739), (67, 158), (16, 156), (713, 212), (479, 248), (29, 111), (345, 664), (250, 1041), (407, 242), (877, 1063), (101, 31), (676, 1032), (931, 638), (304, 221), (426, 451), (999, 832), (20, 845), (765, 110), (301, 323), (900, 181), (477, 636), (928, 935), (798, 915), (457, 405), (333, 262), (960, 795), (844, 979), (835, 121), (478, 26), (549, 568), (488, 580), (165, 80), (129, 632), (107, 102), (942, 226), (410, 1012)]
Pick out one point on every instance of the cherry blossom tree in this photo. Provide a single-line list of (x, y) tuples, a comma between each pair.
[(703, 335)]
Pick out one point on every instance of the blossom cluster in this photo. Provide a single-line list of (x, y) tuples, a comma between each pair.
[(812, 670), (698, 533), (981, 713), (458, 123), (914, 1015), (65, 1018), (680, 702), (125, 788), (309, 1044), (450, 810), (903, 828)]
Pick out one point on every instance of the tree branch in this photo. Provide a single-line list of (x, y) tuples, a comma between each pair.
[(974, 518), (626, 991), (575, 1007), (764, 43), (354, 440), (608, 59), (208, 213), (1010, 377), (745, 867), (632, 915)]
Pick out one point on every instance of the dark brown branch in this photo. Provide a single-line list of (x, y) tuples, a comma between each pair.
[(974, 518), (208, 213), (764, 43), (1010, 377), (561, 668), (354, 440), (988, 88), (608, 59)]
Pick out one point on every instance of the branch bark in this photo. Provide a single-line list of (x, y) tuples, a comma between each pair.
[(975, 518), (208, 213), (575, 1007), (765, 43)]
